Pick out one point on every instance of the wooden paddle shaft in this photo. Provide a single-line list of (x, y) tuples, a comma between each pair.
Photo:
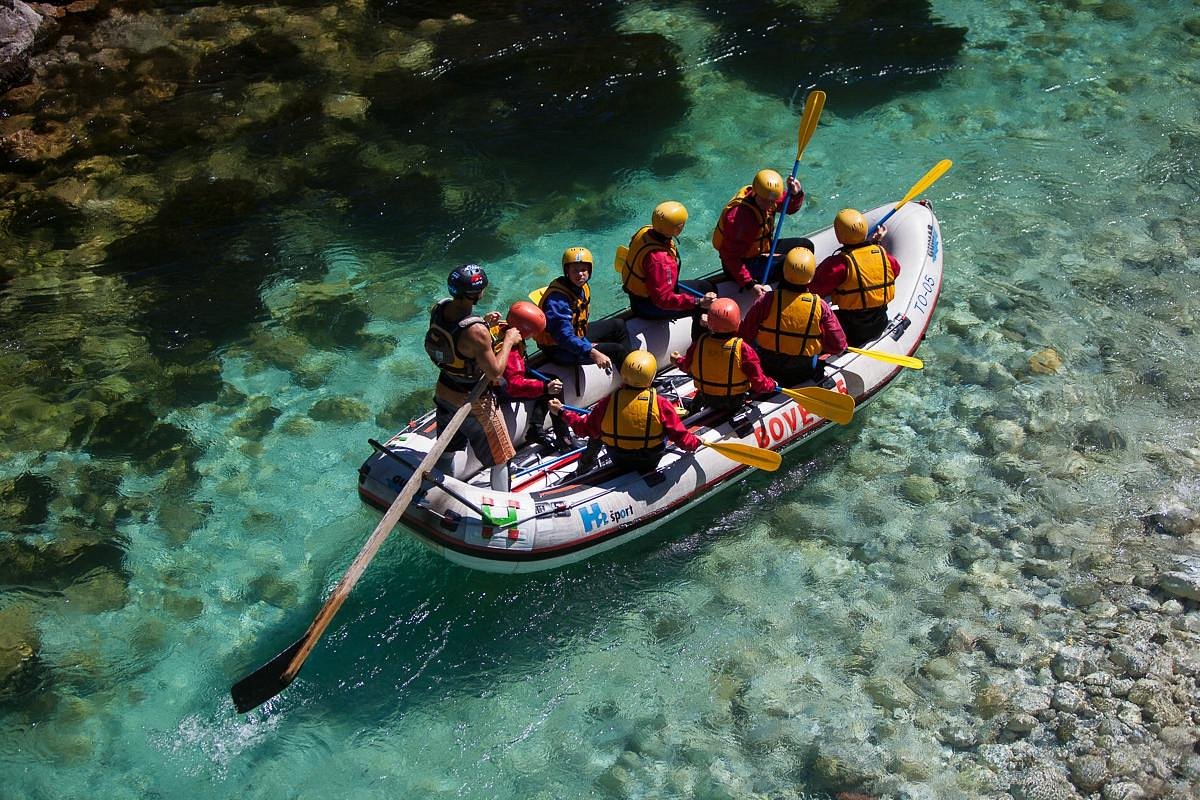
[(381, 532)]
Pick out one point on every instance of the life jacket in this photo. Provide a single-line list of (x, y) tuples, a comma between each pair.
[(766, 224), (717, 366), (579, 302), (633, 270), (631, 421), (869, 280), (792, 326), (441, 343)]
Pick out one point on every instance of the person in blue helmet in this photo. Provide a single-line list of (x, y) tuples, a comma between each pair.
[(460, 344)]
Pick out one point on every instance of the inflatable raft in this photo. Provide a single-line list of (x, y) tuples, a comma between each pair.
[(554, 516)]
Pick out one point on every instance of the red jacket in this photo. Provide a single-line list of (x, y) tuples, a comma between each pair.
[(519, 385), (662, 273), (741, 229), (832, 271), (676, 431), (833, 338), (751, 367)]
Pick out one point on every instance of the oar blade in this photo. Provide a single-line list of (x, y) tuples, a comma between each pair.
[(536, 295), (265, 682), (833, 406), (939, 169), (912, 362), (619, 259), (748, 454), (813, 106)]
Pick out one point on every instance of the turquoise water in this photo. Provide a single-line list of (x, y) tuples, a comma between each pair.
[(193, 377)]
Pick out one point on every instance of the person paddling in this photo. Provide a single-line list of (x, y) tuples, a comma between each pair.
[(724, 367), (651, 267), (519, 384), (634, 422), (860, 277), (569, 338), (792, 326), (459, 342), (746, 227)]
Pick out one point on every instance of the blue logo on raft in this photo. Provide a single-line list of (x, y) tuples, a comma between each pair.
[(593, 517), (934, 243)]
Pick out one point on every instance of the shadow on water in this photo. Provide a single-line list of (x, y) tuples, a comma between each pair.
[(877, 50)]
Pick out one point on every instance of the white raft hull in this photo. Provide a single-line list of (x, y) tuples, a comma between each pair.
[(552, 519)]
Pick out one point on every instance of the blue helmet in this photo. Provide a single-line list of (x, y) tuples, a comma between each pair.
[(467, 279)]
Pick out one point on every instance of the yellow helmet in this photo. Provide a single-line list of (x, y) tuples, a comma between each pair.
[(638, 369), (850, 226), (799, 266), (577, 255), (768, 184), (668, 217)]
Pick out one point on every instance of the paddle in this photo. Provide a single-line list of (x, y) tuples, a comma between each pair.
[(748, 454), (813, 105), (536, 295), (274, 676), (912, 362), (833, 406), (927, 180), (619, 261)]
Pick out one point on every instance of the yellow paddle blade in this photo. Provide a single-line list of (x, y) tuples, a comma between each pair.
[(813, 105), (748, 454), (912, 362), (619, 261), (536, 295), (939, 169), (833, 406)]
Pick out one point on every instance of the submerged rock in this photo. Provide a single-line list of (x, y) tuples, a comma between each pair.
[(340, 409), (19, 644)]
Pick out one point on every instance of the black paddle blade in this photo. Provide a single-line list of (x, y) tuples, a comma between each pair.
[(265, 682)]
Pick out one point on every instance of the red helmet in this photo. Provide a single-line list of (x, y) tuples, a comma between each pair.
[(724, 316), (527, 318)]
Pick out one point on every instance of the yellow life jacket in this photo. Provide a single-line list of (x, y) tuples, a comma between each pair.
[(579, 303), (792, 326), (631, 421), (633, 271), (441, 344), (717, 366), (766, 224), (869, 280)]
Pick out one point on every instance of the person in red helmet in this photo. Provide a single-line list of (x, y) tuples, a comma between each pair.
[(746, 227), (518, 384), (459, 343), (724, 367)]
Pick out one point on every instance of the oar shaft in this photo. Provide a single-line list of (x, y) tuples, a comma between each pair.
[(787, 199), (577, 409)]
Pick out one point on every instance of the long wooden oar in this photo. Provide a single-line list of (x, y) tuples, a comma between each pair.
[(748, 454), (833, 406), (274, 676), (912, 362), (813, 106), (927, 180)]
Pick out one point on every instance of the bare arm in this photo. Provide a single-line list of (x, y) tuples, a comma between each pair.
[(477, 344)]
